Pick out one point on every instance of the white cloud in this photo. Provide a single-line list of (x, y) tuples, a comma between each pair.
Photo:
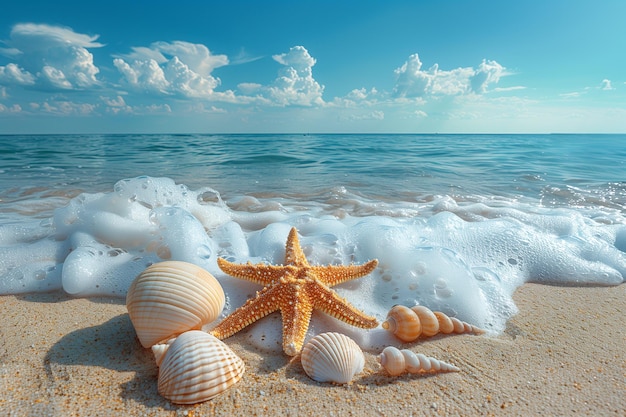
[(199, 107), (157, 108), (52, 56), (55, 77), (295, 83), (505, 89), (359, 97), (374, 115), (12, 74), (143, 75), (412, 81), (196, 56), (573, 94), (178, 68), (249, 88), (65, 108), (15, 108), (31, 36), (606, 85), (187, 82), (116, 105), (488, 72)]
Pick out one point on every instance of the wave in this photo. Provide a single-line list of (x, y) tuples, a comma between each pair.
[(465, 258)]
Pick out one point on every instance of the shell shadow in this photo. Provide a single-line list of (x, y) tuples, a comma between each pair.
[(112, 345)]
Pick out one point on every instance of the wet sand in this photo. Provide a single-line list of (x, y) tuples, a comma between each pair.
[(563, 354)]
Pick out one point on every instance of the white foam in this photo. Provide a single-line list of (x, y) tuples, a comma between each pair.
[(465, 260)]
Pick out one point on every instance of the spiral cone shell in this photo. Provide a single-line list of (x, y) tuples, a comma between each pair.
[(430, 323), (408, 324), (396, 362), (332, 357), (169, 298), (197, 367), (403, 323)]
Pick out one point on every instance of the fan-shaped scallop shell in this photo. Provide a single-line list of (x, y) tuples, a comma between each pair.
[(396, 362), (197, 367), (169, 298), (407, 324), (332, 357)]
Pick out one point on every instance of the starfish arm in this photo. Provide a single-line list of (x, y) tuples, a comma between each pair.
[(332, 304), (332, 275), (296, 310), (259, 273), (254, 309), (293, 251)]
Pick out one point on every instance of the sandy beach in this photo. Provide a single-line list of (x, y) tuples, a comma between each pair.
[(563, 354)]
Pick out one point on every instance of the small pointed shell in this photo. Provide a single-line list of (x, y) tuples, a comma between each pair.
[(332, 357), (171, 297), (396, 362), (197, 367), (408, 324)]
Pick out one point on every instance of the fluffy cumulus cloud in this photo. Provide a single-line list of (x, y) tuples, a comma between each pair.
[(176, 68), (50, 57), (412, 81), (295, 83), (13, 74)]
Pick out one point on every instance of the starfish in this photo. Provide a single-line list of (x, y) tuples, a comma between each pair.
[(296, 289)]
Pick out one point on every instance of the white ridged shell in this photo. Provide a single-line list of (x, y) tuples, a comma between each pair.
[(197, 367), (396, 362), (172, 297), (332, 357)]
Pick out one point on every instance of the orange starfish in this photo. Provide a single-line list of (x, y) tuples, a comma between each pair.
[(296, 289)]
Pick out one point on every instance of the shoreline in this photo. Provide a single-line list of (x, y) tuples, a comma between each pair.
[(562, 354)]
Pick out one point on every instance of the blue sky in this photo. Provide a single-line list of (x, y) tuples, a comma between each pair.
[(313, 66)]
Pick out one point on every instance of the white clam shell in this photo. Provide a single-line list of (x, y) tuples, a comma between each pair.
[(197, 367), (172, 297), (332, 357)]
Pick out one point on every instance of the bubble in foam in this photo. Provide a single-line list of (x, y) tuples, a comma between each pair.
[(185, 237)]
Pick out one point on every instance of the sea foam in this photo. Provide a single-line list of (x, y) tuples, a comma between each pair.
[(463, 259)]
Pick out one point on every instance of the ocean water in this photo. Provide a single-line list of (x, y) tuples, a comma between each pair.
[(457, 222)]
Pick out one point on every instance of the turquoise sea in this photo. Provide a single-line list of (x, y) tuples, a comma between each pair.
[(551, 170), (456, 221)]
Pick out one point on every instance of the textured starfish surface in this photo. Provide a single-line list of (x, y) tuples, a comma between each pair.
[(296, 289)]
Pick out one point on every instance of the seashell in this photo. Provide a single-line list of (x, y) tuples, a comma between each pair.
[(396, 362), (160, 349), (197, 367), (429, 320), (407, 324), (172, 297), (332, 357)]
